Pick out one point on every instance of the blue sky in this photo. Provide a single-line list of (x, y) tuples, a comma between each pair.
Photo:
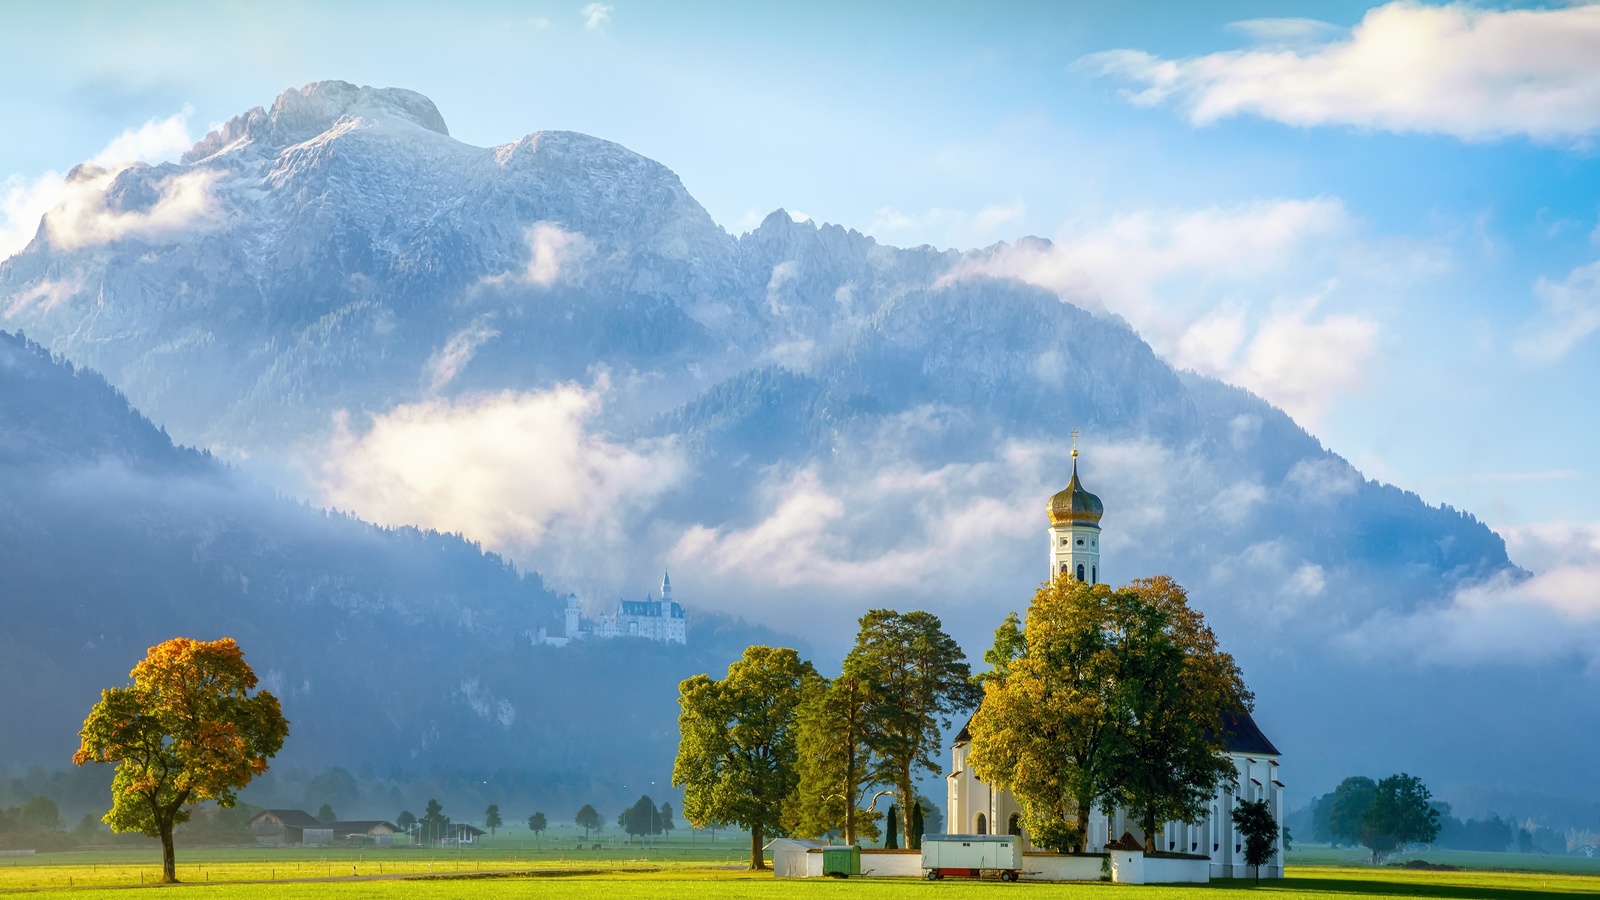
[(1376, 217)]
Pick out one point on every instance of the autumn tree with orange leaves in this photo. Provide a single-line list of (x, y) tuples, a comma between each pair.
[(186, 730)]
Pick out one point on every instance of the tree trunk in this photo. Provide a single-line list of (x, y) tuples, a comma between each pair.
[(169, 857), (757, 858), (1083, 828), (908, 796)]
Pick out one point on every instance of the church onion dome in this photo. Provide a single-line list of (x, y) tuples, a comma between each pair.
[(1074, 505)]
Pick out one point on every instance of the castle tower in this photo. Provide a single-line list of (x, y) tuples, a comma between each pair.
[(666, 590), (1075, 529), (573, 623)]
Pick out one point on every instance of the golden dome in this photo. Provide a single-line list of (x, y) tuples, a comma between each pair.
[(1074, 505)]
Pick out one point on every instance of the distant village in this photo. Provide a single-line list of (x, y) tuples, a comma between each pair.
[(654, 618)]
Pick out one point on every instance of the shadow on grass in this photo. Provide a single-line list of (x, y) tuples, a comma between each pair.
[(1402, 888)]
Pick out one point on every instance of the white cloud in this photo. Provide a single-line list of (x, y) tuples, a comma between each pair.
[(1509, 618), (1160, 270), (885, 523), (504, 468), (1570, 312), (596, 15), (1454, 69), (1303, 363), (554, 254), (81, 218), (445, 364), (25, 201), (42, 297), (1323, 478), (154, 141)]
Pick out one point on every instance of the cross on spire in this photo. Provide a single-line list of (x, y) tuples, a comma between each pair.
[(1074, 443)]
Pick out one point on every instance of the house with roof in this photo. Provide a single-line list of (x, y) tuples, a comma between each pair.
[(289, 828), (975, 808), (374, 831)]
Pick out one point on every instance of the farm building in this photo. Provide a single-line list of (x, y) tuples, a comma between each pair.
[(975, 808), (289, 827), (365, 832), (791, 855)]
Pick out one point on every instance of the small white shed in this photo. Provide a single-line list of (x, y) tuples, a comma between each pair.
[(790, 857)]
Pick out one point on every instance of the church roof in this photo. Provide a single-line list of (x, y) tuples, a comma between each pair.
[(1245, 736), (1073, 505)]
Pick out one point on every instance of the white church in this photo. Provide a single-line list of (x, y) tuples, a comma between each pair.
[(975, 808)]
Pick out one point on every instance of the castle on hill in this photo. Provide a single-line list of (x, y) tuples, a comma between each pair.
[(975, 808), (654, 619)]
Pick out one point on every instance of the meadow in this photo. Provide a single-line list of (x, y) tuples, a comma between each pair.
[(514, 864)]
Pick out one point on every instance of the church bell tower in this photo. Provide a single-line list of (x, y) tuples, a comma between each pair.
[(1075, 529)]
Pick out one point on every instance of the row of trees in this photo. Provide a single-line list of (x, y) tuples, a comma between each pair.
[(777, 749), (1382, 816), (1105, 698)]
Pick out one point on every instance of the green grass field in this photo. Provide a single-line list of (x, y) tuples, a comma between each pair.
[(696, 883), (513, 866)]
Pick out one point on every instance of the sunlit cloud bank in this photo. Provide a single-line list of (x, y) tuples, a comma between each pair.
[(507, 469), (82, 216), (554, 254), (873, 525), (1512, 618), (1454, 69), (1241, 293)]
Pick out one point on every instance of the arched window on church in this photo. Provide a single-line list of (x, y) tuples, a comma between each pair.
[(1063, 568), (1094, 574), (1015, 826), (983, 825), (1080, 571)]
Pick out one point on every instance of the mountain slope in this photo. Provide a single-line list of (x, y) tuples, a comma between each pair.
[(390, 647), (848, 424)]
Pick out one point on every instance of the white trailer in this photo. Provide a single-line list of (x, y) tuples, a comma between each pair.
[(970, 855)]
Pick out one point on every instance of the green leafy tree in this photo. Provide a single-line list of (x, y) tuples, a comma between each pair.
[(666, 817), (326, 815), (188, 729), (88, 828), (1046, 730), (1253, 819), (1010, 643), (834, 759), (1348, 810), (917, 677), (1322, 820), (537, 824), (738, 748), (39, 814), (1172, 688), (491, 818), (588, 819), (405, 820), (642, 818), (891, 837), (1400, 814), (932, 815), (434, 822)]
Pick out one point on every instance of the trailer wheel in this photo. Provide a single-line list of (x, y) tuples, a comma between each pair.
[(1008, 876), (931, 875)]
